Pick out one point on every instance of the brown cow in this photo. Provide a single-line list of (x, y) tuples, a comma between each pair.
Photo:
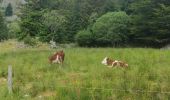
[(111, 63), (58, 57)]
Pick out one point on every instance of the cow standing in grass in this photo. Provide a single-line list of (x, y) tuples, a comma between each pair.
[(58, 57), (112, 63)]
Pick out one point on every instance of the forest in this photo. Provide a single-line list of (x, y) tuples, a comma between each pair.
[(91, 23)]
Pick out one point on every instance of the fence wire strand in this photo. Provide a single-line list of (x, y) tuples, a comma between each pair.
[(121, 90)]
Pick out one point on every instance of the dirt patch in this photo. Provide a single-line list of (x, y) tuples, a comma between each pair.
[(74, 75), (3, 81), (75, 78), (47, 94), (28, 86)]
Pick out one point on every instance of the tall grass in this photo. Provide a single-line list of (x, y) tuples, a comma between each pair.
[(83, 77)]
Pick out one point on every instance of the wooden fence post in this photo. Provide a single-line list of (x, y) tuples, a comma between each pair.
[(10, 79)]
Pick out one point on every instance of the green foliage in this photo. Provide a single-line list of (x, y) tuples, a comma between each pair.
[(56, 25), (30, 41), (30, 23), (150, 22), (3, 28), (13, 29), (92, 19), (9, 10), (65, 18), (85, 38), (111, 29), (161, 21), (141, 22)]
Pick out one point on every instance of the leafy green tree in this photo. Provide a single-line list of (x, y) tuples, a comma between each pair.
[(151, 23), (85, 38), (3, 28), (31, 25), (160, 22), (56, 25), (85, 12), (31, 20), (9, 10), (79, 15), (111, 29), (13, 29)]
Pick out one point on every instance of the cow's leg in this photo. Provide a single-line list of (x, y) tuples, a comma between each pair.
[(114, 64), (109, 66), (61, 65), (60, 62)]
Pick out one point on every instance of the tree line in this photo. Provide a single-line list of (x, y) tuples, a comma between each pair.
[(96, 23)]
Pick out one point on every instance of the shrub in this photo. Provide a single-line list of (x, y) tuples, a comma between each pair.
[(14, 29), (111, 29), (30, 41), (85, 38)]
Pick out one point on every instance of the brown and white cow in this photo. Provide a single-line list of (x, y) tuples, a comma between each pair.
[(58, 57), (112, 63)]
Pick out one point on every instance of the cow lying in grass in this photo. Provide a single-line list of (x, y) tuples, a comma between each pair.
[(58, 57), (114, 63)]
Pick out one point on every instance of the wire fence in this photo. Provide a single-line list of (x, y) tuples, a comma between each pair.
[(98, 88), (108, 89), (115, 89)]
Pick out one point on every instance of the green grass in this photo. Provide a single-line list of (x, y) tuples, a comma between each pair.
[(83, 77)]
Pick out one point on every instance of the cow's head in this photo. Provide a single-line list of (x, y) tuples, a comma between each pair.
[(104, 61)]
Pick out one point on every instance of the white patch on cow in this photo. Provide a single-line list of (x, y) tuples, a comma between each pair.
[(109, 66), (126, 65), (118, 63), (115, 62), (104, 61), (57, 60)]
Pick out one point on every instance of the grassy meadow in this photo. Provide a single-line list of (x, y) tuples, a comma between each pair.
[(83, 77)]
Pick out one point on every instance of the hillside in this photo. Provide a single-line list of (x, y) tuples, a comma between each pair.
[(15, 5)]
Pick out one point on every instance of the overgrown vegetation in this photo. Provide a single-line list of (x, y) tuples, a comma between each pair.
[(83, 76)]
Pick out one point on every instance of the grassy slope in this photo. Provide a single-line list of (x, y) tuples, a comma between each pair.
[(148, 70)]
